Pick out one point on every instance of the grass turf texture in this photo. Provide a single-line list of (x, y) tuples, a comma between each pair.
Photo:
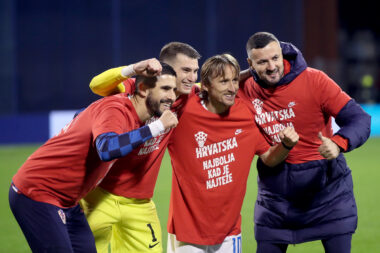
[(363, 163)]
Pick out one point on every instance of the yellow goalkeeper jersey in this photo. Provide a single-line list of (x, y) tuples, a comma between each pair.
[(109, 82)]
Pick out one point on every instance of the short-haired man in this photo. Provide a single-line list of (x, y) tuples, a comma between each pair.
[(212, 150), (45, 192), (132, 224), (182, 57), (310, 196)]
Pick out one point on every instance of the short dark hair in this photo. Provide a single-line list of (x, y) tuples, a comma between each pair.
[(150, 81), (260, 40), (170, 51), (215, 65)]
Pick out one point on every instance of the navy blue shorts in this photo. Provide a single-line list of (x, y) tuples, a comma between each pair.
[(48, 228)]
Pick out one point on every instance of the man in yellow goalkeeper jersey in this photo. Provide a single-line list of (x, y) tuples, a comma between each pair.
[(182, 57)]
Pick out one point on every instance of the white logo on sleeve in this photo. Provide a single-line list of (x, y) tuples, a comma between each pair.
[(201, 138), (238, 131), (258, 105), (291, 104)]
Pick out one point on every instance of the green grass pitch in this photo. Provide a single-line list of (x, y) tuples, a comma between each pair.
[(364, 163)]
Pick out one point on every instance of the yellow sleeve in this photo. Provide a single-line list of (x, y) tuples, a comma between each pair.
[(108, 83)]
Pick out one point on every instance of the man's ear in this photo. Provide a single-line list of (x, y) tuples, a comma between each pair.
[(249, 62), (142, 89)]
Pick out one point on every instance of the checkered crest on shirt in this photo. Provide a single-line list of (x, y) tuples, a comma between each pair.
[(200, 137)]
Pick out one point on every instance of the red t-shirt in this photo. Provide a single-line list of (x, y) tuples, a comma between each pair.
[(67, 166), (135, 175), (211, 158), (306, 104)]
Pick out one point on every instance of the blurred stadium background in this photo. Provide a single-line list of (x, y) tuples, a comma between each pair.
[(50, 50)]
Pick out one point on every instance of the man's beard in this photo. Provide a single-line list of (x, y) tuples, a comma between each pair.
[(269, 82), (154, 105)]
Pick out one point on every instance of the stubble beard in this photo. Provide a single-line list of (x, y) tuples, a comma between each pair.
[(154, 105)]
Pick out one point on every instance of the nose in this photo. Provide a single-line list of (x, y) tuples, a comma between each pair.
[(172, 95), (271, 65), (232, 86)]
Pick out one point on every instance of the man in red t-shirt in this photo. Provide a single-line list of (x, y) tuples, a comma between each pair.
[(211, 151), (45, 192), (310, 196)]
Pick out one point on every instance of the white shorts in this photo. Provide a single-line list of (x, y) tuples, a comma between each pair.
[(231, 244)]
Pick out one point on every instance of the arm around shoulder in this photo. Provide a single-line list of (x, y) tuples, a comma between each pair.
[(110, 81)]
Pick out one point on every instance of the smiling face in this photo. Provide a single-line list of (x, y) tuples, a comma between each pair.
[(222, 90), (186, 69), (162, 96), (267, 62)]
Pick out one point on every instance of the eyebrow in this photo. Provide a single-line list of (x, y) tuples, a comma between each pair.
[(166, 87), (189, 68)]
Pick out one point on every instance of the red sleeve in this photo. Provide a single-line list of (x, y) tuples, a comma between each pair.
[(340, 141), (111, 118), (262, 143), (330, 95)]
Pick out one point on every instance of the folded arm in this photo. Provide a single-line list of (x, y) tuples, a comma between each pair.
[(277, 154)]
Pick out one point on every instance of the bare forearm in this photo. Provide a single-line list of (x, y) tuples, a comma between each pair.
[(275, 155), (244, 75)]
